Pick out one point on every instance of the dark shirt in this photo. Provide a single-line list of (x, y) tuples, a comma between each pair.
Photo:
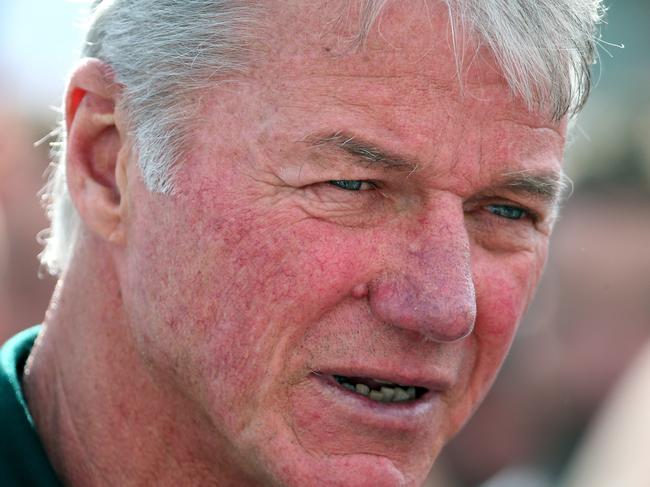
[(22, 458)]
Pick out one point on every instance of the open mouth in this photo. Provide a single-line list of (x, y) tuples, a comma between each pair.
[(379, 390)]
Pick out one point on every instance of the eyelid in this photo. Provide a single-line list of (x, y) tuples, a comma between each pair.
[(314, 172)]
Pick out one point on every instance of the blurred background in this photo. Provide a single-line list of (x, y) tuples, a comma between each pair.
[(591, 318)]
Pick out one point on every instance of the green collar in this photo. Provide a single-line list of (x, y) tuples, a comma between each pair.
[(22, 458)]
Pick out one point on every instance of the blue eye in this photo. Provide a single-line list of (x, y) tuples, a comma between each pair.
[(347, 184), (509, 212)]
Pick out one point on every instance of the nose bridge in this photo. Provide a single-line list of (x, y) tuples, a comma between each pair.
[(429, 289)]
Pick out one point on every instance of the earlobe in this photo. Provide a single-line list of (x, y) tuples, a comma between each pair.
[(96, 152)]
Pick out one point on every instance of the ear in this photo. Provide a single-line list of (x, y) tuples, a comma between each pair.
[(96, 150)]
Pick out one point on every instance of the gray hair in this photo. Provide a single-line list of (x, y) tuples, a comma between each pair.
[(163, 51)]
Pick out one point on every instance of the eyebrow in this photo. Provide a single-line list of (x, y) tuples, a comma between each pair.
[(547, 186), (362, 152)]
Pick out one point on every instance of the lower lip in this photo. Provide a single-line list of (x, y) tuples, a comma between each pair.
[(398, 413), (326, 417)]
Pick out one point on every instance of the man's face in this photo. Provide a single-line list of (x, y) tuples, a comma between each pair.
[(343, 218)]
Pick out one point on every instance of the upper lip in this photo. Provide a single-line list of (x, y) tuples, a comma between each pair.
[(437, 382)]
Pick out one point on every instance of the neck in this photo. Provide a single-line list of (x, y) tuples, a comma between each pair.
[(101, 416)]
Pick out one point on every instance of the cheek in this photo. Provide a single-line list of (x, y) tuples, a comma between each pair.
[(232, 293), (504, 289), (505, 286)]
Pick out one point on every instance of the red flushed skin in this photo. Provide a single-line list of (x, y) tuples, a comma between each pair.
[(258, 272)]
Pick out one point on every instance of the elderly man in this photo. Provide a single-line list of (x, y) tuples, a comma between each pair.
[(294, 239)]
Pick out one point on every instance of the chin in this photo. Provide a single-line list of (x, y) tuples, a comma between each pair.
[(285, 460), (347, 470)]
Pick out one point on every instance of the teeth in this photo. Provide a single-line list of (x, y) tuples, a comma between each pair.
[(388, 393), (363, 389), (385, 393), (376, 396), (400, 395)]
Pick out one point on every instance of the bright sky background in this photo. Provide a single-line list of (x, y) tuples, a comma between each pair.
[(39, 42)]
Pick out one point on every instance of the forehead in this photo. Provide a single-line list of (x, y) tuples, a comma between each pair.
[(411, 51), (407, 89)]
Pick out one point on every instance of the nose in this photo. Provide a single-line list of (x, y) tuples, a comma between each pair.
[(428, 286)]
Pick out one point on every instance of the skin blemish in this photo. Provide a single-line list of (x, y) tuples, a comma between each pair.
[(360, 290)]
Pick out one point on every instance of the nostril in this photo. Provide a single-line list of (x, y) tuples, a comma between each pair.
[(454, 328)]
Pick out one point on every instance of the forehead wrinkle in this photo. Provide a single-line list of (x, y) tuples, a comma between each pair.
[(360, 151)]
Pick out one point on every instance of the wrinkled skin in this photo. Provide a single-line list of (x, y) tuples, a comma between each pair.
[(259, 277)]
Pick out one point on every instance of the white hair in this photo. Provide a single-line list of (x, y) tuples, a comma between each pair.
[(163, 51)]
